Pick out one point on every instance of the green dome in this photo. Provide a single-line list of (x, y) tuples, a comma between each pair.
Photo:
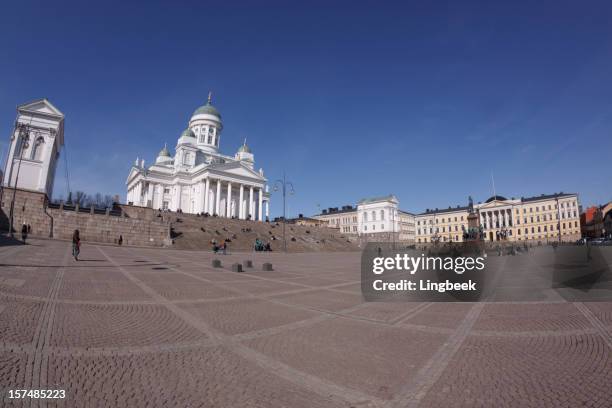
[(244, 149), (188, 133), (164, 152), (207, 110)]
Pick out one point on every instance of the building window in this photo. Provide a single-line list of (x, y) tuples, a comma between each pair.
[(382, 226), (382, 215), (373, 215), (165, 205), (365, 217), (38, 148)]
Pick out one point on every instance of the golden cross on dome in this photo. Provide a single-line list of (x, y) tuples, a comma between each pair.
[(209, 97)]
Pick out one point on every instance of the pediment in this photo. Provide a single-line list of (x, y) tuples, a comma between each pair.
[(41, 106), (237, 169), (133, 173)]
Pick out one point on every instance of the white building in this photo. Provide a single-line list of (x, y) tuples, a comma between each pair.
[(372, 218), (35, 147), (199, 179)]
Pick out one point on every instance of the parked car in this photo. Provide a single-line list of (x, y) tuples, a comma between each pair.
[(598, 241)]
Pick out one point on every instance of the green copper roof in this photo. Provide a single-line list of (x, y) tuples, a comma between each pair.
[(164, 152), (187, 133), (207, 109), (389, 197), (244, 148)]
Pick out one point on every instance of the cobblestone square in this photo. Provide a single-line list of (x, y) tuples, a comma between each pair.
[(137, 327)]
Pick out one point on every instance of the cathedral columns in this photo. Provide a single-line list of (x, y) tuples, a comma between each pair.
[(228, 211), (260, 206), (218, 198), (267, 209), (240, 207), (206, 194), (251, 215)]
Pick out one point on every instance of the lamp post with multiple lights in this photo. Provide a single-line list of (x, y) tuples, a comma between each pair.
[(286, 187)]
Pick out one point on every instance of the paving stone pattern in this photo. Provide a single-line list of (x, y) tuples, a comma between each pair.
[(144, 327)]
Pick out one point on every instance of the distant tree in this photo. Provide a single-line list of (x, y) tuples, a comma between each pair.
[(81, 198), (108, 201)]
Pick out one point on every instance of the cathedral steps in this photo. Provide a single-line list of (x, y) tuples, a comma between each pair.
[(197, 233)]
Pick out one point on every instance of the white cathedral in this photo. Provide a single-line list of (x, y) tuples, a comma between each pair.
[(199, 179)]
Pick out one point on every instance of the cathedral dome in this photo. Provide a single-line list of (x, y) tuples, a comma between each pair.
[(207, 109), (188, 133), (244, 148), (164, 152)]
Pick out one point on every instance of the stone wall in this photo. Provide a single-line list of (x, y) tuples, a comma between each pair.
[(32, 208)]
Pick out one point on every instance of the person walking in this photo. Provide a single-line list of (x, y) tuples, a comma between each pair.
[(24, 233), (76, 244), (120, 240)]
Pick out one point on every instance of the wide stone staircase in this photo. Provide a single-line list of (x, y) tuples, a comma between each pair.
[(192, 232)]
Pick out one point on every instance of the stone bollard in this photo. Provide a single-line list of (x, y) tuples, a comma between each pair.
[(267, 267), (237, 267), (216, 263), (248, 264)]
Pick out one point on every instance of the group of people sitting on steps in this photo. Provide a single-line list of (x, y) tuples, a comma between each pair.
[(260, 246)]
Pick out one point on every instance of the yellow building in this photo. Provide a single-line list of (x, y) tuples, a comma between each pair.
[(543, 218)]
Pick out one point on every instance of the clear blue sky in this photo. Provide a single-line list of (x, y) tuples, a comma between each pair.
[(420, 99)]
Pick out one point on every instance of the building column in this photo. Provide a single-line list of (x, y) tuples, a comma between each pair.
[(251, 202), (177, 197), (151, 194), (267, 209), (228, 204), (206, 194), (218, 198), (240, 209), (260, 206)]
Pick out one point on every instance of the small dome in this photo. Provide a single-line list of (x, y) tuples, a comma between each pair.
[(244, 148), (164, 152), (188, 133)]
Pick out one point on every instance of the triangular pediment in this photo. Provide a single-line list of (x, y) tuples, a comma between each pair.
[(238, 169), (133, 172), (42, 106)]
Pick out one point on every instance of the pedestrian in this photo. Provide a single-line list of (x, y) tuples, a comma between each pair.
[(76, 244), (224, 248), (120, 240), (24, 233)]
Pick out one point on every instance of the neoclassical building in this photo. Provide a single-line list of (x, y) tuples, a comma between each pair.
[(372, 218), (199, 179), (547, 217)]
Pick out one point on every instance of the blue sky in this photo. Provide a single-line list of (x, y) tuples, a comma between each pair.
[(352, 99)]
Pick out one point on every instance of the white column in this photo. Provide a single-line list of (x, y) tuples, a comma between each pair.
[(240, 208), (228, 204), (151, 194), (260, 206), (267, 209), (251, 202), (218, 198), (206, 189)]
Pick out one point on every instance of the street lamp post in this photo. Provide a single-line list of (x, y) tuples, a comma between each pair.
[(23, 138), (283, 185)]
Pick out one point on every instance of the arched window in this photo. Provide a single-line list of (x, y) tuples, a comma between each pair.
[(38, 148), (365, 217), (373, 215), (21, 145), (211, 132), (382, 215)]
